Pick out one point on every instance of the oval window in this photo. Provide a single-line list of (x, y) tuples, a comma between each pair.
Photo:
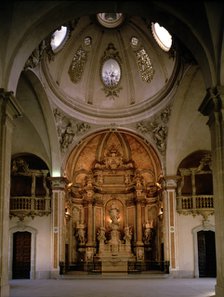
[(111, 73), (58, 38), (162, 36)]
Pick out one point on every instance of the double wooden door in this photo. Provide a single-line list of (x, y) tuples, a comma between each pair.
[(206, 254), (21, 255)]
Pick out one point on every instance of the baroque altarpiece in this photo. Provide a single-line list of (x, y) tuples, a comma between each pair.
[(113, 207)]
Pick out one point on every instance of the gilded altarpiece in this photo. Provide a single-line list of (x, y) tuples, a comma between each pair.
[(114, 187)]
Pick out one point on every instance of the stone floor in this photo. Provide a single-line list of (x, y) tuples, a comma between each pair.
[(100, 286)]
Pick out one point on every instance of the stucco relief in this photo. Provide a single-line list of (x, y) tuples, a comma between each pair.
[(68, 129), (36, 57), (158, 128), (77, 65)]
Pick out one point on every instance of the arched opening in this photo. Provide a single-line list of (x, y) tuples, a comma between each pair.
[(30, 188), (113, 206)]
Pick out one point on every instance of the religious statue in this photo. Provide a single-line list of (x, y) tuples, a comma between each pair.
[(114, 215), (101, 234), (81, 234), (127, 234)]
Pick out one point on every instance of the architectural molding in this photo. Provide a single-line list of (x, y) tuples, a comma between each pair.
[(10, 105)]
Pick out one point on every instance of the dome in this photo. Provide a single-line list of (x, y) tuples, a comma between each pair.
[(110, 69)]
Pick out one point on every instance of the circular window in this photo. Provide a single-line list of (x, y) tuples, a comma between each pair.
[(110, 19), (58, 38), (162, 36), (111, 73)]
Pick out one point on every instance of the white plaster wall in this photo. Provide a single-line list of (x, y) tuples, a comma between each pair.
[(187, 131), (32, 123), (42, 250), (185, 243)]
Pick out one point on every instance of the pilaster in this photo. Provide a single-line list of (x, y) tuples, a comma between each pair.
[(140, 199), (170, 231), (89, 201), (213, 107), (9, 110), (58, 211)]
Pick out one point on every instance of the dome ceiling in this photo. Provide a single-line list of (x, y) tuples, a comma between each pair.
[(116, 74)]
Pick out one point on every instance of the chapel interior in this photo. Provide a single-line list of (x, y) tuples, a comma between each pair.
[(112, 154)]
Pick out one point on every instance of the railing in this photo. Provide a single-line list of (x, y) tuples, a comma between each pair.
[(195, 203), (22, 206)]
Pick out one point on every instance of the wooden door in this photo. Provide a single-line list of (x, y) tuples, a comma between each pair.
[(206, 254), (21, 255)]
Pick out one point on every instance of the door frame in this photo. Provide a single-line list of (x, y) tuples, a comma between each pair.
[(195, 231), (33, 232)]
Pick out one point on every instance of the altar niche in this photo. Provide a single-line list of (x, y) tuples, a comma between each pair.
[(114, 251), (116, 223), (118, 232)]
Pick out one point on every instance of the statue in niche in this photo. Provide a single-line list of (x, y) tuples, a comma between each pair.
[(114, 215)]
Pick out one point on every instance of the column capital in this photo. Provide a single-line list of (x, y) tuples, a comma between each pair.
[(11, 106), (58, 182), (89, 198), (140, 200), (170, 182), (213, 101)]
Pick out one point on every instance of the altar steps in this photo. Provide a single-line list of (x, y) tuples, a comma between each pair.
[(115, 275)]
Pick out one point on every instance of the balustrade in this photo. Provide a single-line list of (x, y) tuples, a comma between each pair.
[(194, 202), (29, 206)]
